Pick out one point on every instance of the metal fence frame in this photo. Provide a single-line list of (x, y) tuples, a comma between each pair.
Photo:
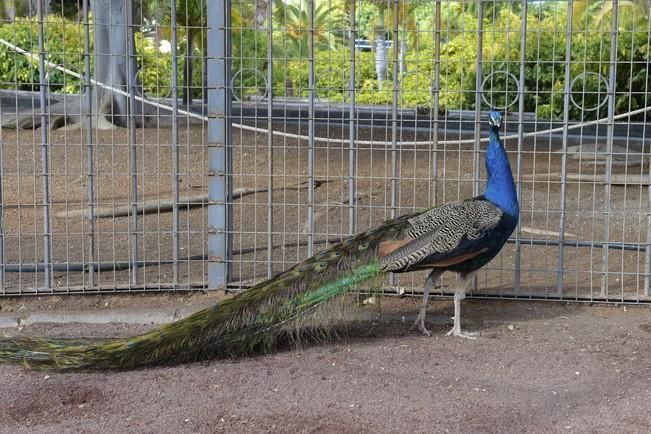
[(220, 119)]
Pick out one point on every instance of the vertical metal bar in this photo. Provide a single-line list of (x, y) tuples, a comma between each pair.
[(437, 94), (647, 262), (219, 143), (610, 130), (478, 80), (394, 120), (566, 119), (133, 150), (175, 148), (45, 166), (90, 160), (352, 127), (270, 143), (310, 129), (394, 111), (478, 90), (523, 59), (2, 231)]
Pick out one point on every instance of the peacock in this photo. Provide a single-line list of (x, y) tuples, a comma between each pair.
[(459, 236)]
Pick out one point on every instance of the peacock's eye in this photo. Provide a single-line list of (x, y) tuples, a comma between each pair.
[(320, 266), (363, 246)]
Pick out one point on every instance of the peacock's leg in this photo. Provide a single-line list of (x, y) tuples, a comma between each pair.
[(431, 282), (460, 294)]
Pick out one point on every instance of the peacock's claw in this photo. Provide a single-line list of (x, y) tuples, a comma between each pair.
[(467, 335), (420, 324)]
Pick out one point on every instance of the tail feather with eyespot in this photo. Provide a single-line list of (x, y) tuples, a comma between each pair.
[(250, 322)]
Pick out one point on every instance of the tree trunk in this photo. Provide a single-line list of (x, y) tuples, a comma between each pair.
[(381, 57), (403, 55), (110, 109), (381, 52), (112, 45), (187, 70), (24, 8)]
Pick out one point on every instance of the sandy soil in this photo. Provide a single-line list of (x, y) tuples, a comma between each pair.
[(537, 367)]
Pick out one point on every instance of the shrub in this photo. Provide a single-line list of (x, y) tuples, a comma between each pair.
[(64, 45)]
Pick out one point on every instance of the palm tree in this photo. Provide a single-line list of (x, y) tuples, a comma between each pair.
[(384, 20), (191, 21), (637, 9), (191, 14), (294, 18)]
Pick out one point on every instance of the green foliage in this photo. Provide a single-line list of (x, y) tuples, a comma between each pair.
[(249, 48), (64, 43), (544, 66), (328, 22), (155, 68)]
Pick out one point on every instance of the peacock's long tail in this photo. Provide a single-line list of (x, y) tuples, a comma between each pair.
[(252, 321)]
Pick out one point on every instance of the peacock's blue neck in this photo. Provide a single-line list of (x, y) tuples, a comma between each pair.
[(500, 188)]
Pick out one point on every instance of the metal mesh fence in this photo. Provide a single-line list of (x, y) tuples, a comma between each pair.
[(312, 120)]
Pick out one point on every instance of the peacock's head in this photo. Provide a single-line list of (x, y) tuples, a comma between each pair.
[(495, 118)]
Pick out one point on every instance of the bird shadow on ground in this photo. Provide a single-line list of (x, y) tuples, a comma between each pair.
[(396, 317), (392, 319)]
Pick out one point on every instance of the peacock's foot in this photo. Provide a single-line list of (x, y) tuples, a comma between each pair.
[(457, 332), (420, 324)]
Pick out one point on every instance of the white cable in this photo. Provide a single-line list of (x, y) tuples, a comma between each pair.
[(100, 84), (318, 139)]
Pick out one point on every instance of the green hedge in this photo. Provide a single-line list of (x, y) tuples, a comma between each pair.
[(64, 43), (544, 68)]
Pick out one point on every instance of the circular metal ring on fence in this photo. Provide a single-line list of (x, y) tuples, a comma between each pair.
[(240, 73), (331, 70), (508, 75), (49, 69), (603, 80), (139, 73), (429, 90)]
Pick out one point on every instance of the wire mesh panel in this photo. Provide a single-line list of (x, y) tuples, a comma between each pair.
[(354, 112), (103, 165), (290, 125)]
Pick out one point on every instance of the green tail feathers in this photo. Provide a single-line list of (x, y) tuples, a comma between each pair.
[(250, 322)]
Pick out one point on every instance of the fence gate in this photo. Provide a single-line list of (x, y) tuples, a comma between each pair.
[(290, 125)]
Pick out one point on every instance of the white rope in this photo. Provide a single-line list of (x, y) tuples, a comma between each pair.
[(319, 139), (100, 84)]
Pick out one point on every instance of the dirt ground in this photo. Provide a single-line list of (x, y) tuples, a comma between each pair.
[(537, 367)]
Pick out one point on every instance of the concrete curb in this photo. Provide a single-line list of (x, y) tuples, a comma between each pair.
[(165, 316), (123, 316)]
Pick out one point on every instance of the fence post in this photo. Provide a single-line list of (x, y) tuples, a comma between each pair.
[(133, 146), (566, 119), (647, 259), (175, 145), (45, 158), (310, 127), (610, 131), (394, 120), (521, 94), (219, 144), (270, 142), (478, 92), (436, 91), (90, 159), (352, 128)]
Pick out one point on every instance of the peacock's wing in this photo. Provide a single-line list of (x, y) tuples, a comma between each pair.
[(443, 236)]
